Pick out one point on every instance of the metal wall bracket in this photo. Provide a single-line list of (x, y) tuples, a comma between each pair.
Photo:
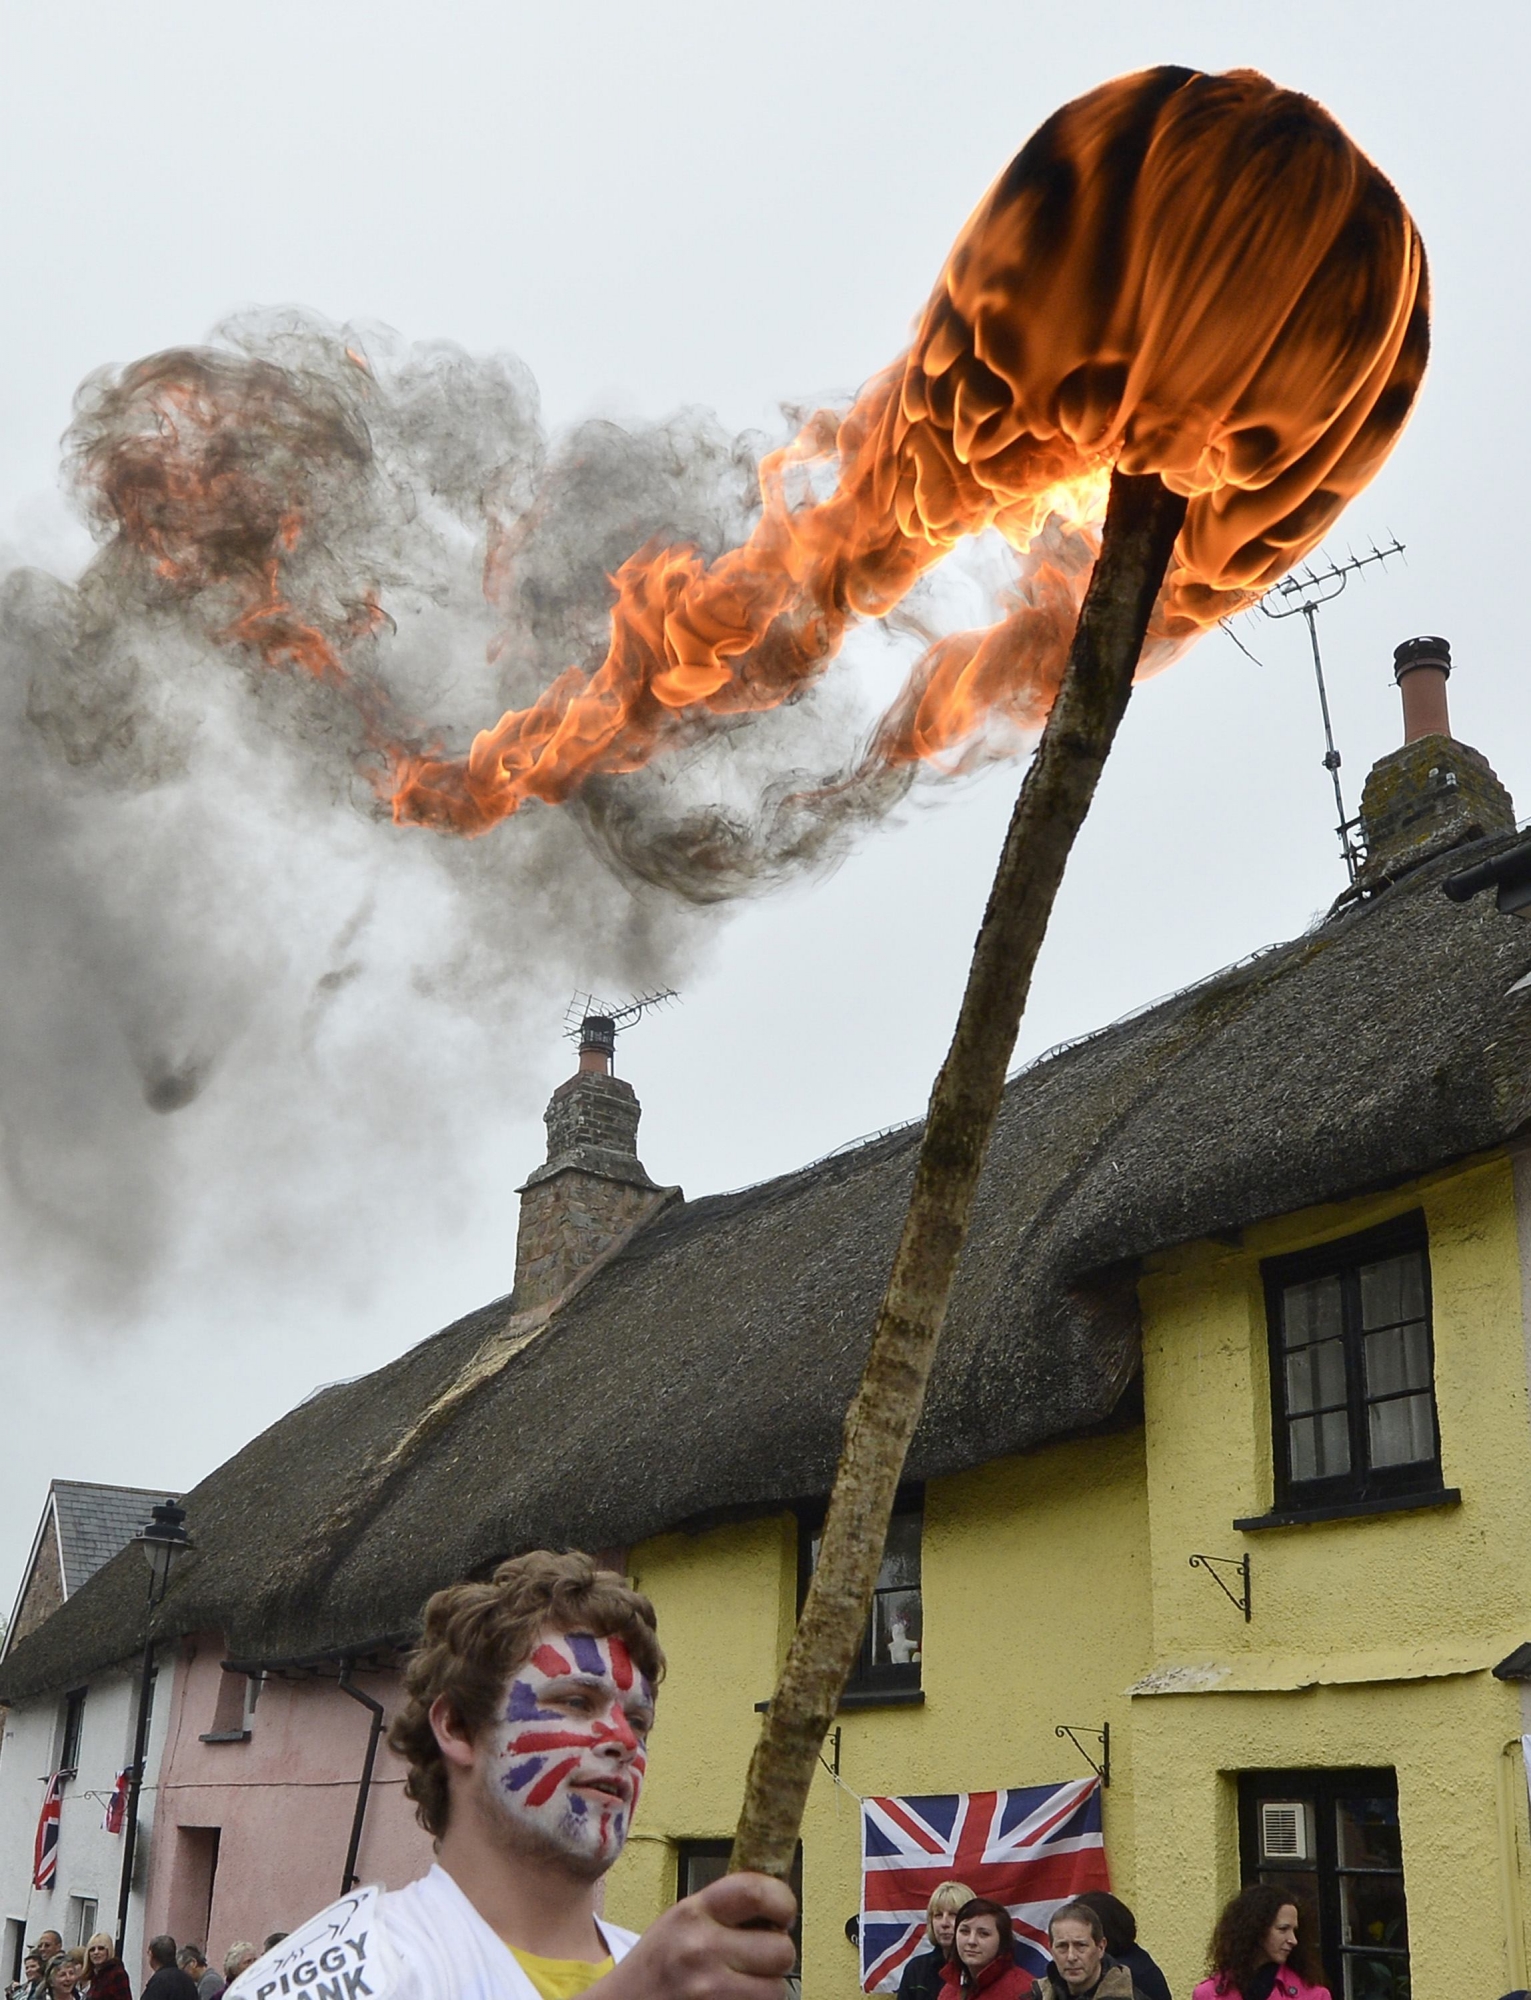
[(833, 1740), (1212, 1564), (1073, 1731)]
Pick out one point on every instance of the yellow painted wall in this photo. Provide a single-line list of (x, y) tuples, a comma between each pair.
[(1036, 1612), (1054, 1584), (1364, 1631)]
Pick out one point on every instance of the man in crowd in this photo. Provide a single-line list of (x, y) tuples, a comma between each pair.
[(1081, 1968), (48, 1946), (166, 1979), (530, 1700), (193, 1962)]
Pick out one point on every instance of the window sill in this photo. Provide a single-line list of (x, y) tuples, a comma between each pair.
[(1351, 1510), (882, 1698), (865, 1698), (225, 1736)]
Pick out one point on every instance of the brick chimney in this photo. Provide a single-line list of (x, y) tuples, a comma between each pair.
[(1433, 793), (592, 1190)]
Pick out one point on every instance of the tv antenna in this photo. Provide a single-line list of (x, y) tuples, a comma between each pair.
[(596, 1023), (1304, 594)]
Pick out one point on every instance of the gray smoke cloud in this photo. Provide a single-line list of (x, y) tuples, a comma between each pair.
[(229, 978)]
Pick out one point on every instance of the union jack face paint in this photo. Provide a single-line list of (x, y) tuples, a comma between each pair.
[(568, 1755)]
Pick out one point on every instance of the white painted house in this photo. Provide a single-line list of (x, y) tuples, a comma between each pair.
[(85, 1732)]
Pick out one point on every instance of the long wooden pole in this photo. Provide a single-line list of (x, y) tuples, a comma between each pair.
[(1142, 521)]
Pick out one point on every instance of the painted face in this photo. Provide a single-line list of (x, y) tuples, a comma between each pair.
[(568, 1758)]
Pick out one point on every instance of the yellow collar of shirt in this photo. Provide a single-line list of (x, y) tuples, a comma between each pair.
[(560, 1978)]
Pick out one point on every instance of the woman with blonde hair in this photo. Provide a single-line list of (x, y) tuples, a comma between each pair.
[(104, 1977), (239, 1957), (922, 1975)]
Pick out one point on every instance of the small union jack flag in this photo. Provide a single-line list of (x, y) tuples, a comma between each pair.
[(113, 1819), (1030, 1850), (45, 1851)]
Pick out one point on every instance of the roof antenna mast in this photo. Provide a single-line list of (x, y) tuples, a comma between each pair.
[(595, 1023), (1306, 591)]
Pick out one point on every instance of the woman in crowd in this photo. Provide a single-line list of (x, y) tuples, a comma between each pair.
[(237, 1959), (983, 1958), (31, 1983), (105, 1978), (922, 1975), (1121, 1929), (1256, 1953), (63, 1977)]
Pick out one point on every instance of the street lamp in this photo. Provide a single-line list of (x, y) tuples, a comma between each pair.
[(162, 1540)]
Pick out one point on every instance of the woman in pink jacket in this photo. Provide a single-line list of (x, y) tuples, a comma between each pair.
[(1256, 1953)]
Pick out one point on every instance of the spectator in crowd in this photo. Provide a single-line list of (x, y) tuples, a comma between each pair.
[(1121, 1928), (1256, 1952), (166, 1980), (105, 1976), (922, 1975), (63, 1977), (192, 1960), (983, 1959), (31, 1983), (1082, 1968), (236, 1958), (273, 1939), (48, 1946)]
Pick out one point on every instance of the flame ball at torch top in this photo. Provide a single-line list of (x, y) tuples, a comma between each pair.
[(1194, 276), (1199, 282)]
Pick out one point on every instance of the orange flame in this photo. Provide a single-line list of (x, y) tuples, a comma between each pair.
[(1190, 275)]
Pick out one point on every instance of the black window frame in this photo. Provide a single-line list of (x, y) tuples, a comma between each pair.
[(1344, 1259), (871, 1681), (71, 1729), (1321, 1900), (687, 1851)]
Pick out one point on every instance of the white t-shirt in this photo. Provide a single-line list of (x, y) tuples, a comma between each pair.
[(426, 1942)]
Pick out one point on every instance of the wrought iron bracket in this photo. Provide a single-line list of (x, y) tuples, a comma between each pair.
[(1212, 1564), (833, 1740), (1073, 1731)]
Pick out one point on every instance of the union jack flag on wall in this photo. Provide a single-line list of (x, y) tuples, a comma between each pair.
[(45, 1850), (113, 1819), (1030, 1850)]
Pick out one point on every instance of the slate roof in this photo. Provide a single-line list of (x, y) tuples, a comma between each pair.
[(94, 1522), (705, 1370), (82, 1526)]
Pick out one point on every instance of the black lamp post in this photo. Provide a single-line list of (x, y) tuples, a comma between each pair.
[(161, 1541)]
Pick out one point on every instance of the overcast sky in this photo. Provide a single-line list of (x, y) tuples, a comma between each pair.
[(657, 207)]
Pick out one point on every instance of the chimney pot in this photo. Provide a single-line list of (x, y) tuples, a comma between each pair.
[(1421, 667), (597, 1044)]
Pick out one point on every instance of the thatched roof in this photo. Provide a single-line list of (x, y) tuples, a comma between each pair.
[(705, 1370)]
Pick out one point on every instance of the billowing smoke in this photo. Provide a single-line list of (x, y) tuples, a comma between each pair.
[(219, 947)]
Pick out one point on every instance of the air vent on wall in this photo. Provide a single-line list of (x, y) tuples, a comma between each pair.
[(1283, 1830)]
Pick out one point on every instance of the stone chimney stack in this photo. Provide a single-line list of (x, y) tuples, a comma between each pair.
[(592, 1189), (1433, 793)]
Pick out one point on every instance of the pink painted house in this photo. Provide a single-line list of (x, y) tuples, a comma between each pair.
[(263, 1785)]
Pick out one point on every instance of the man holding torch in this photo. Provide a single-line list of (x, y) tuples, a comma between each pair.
[(530, 1701)]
